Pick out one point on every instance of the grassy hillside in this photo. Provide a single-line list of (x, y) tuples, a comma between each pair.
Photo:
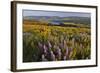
[(43, 41)]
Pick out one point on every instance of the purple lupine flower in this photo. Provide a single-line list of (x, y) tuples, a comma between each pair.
[(58, 52), (43, 58), (45, 48), (65, 57), (49, 44), (40, 45), (67, 50), (66, 54), (52, 56)]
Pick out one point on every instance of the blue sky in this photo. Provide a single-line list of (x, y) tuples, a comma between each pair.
[(54, 13)]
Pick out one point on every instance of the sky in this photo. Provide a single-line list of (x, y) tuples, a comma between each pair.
[(54, 13)]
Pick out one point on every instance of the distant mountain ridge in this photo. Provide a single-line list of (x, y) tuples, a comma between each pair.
[(57, 19)]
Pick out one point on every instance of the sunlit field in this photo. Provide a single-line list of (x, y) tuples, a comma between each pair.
[(45, 42)]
